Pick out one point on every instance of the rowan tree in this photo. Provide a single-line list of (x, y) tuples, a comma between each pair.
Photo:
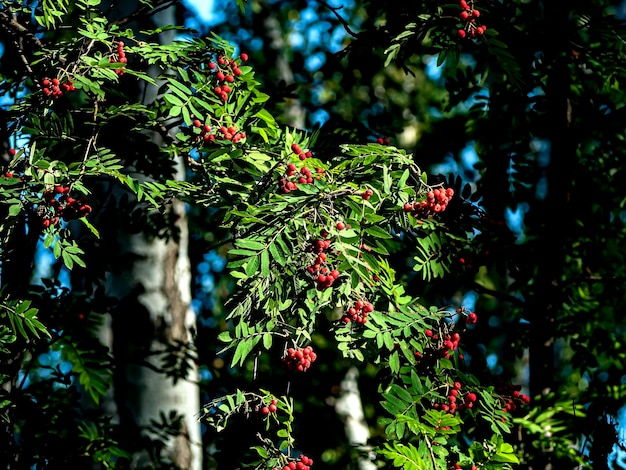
[(111, 129)]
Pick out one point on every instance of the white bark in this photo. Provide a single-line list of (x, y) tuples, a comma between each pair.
[(350, 409), (161, 274), (152, 279)]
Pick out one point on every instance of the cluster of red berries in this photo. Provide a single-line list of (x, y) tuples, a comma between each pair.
[(223, 133), (447, 344), (271, 408), (470, 317), (368, 193), (299, 359), (56, 89), (319, 245), (59, 205), (511, 395), (292, 177), (303, 463), (436, 201), (468, 16), (457, 400), (227, 70), (302, 155), (289, 182), (383, 141), (358, 313), (322, 274), (119, 56)]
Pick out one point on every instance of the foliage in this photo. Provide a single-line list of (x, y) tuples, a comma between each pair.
[(313, 225)]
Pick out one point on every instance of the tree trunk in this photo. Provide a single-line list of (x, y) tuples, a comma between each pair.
[(153, 285), (350, 409), (156, 395), (552, 217)]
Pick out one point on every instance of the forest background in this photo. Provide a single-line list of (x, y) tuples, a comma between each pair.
[(130, 301)]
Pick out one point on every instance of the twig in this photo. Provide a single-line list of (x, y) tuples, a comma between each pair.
[(343, 22)]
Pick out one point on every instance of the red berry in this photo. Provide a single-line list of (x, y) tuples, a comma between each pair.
[(340, 226), (296, 149)]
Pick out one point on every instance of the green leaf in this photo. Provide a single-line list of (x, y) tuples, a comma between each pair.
[(403, 179), (394, 362), (91, 228), (252, 266), (14, 210), (243, 350), (249, 244), (508, 458), (265, 263), (174, 100), (277, 254), (377, 232)]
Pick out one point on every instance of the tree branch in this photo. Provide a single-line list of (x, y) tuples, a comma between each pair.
[(343, 22)]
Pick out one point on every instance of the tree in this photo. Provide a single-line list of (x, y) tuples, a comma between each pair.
[(317, 227)]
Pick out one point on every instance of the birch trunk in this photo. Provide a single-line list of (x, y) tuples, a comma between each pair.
[(155, 294), (350, 409), (151, 277)]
